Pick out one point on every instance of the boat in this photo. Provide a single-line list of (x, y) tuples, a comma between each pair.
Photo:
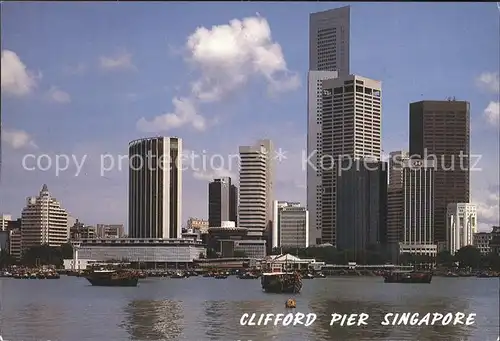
[(178, 274), (407, 277), (281, 282), (248, 275), (112, 278), (319, 275), (308, 276), (220, 276)]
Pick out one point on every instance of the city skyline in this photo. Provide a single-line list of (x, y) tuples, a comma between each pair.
[(92, 102)]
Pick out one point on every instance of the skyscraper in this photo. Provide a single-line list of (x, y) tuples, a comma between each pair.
[(362, 206), (43, 221), (350, 127), (256, 187), (314, 144), (329, 33), (440, 130), (395, 199), (222, 202), (155, 188), (396, 160), (328, 58), (418, 194)]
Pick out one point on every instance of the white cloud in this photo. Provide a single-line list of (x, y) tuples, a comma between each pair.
[(489, 81), (17, 139), (226, 57), (16, 79), (184, 112), (492, 113), (119, 62), (58, 96)]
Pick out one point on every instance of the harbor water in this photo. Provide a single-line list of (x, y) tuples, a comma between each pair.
[(197, 308)]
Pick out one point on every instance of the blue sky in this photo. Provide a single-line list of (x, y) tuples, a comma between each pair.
[(85, 78)]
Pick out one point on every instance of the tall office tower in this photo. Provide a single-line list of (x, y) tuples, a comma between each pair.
[(350, 127), (329, 40), (43, 221), (314, 144), (361, 205), (395, 200), (290, 225), (441, 129), (418, 207), (256, 188), (461, 225), (222, 202), (155, 188), (396, 160)]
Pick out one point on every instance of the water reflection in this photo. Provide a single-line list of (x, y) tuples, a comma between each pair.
[(222, 320), (153, 320), (37, 319), (377, 310)]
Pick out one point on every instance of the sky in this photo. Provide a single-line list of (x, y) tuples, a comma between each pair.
[(81, 80)]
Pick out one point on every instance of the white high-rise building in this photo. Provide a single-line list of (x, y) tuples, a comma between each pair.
[(418, 207), (290, 225), (155, 188), (43, 221), (329, 33), (461, 225), (314, 143), (256, 187), (350, 127)]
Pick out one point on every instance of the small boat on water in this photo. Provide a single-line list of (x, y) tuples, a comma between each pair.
[(308, 276), (112, 278), (281, 282), (248, 275), (178, 274), (220, 276), (319, 275), (408, 277)]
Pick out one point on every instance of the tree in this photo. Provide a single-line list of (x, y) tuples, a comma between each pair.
[(67, 251), (445, 258), (6, 259), (468, 257)]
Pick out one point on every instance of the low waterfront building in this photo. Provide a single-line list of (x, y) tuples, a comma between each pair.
[(4, 221), (461, 224), (15, 243), (290, 262), (148, 252), (254, 249), (290, 225), (191, 234), (487, 242), (227, 231), (81, 231), (197, 224), (110, 231)]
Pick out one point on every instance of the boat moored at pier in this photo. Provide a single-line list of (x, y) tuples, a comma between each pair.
[(112, 278), (408, 277)]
